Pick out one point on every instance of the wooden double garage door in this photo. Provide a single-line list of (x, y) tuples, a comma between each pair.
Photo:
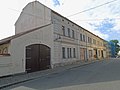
[(37, 57)]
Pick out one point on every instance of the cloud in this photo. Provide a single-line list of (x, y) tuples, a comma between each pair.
[(56, 2), (115, 8), (102, 21), (105, 26), (110, 25), (93, 28), (117, 26)]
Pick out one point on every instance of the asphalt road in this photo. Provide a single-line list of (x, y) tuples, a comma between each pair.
[(102, 75)]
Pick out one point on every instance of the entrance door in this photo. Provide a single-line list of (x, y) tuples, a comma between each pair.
[(95, 54), (82, 53), (102, 53), (37, 57)]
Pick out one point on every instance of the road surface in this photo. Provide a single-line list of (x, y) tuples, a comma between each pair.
[(102, 75)]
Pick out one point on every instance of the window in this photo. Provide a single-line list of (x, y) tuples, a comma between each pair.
[(68, 32), (0, 51), (98, 42), (99, 52), (68, 55), (5, 50), (89, 40), (94, 41), (90, 53), (74, 54), (80, 37), (84, 38), (73, 34), (101, 44), (63, 29), (63, 52)]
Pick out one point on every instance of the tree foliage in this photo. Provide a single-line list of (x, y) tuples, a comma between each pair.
[(116, 42)]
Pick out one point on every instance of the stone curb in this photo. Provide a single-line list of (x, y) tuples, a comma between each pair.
[(50, 71)]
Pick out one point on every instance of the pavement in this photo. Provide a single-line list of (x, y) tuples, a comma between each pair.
[(20, 78)]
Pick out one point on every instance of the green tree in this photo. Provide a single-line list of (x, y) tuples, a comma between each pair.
[(116, 42)]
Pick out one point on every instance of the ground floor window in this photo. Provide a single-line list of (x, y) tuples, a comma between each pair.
[(99, 52), (68, 52), (63, 52), (90, 53), (74, 54)]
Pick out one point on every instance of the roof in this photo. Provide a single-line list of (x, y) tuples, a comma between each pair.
[(8, 39)]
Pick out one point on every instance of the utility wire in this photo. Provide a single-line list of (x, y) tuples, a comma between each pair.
[(99, 19), (73, 14), (96, 19), (92, 8)]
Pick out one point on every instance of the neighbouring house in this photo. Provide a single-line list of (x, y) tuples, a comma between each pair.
[(113, 49), (45, 39)]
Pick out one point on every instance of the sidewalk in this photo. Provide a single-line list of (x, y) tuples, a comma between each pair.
[(15, 79)]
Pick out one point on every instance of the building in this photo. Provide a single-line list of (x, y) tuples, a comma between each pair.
[(113, 49), (108, 49), (45, 39)]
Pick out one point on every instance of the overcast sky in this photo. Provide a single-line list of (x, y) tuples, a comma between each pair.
[(103, 21)]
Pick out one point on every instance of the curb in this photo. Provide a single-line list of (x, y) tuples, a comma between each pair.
[(29, 79)]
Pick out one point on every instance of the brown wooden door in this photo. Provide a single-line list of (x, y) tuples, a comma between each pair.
[(44, 58), (82, 53), (102, 53), (37, 57), (95, 54)]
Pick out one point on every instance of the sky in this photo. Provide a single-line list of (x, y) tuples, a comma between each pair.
[(103, 21)]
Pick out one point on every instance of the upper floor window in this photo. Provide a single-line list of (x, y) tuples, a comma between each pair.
[(80, 37), (98, 42), (73, 34), (89, 40), (63, 30), (84, 38), (101, 44), (68, 32), (94, 41)]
